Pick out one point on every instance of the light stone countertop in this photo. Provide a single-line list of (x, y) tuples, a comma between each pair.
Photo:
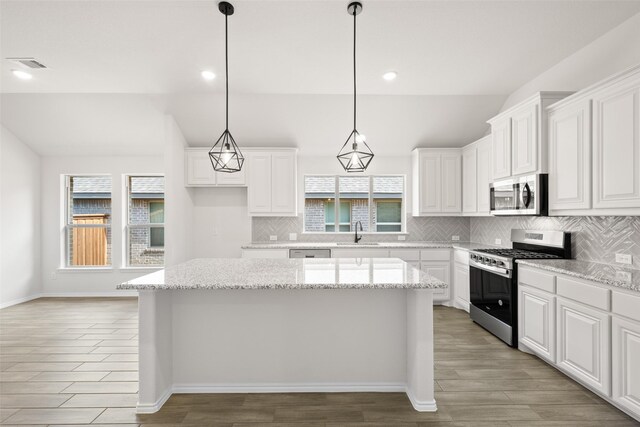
[(382, 245), (607, 274), (327, 273)]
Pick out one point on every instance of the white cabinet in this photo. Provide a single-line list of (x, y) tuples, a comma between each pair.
[(233, 179), (265, 253), (437, 182), (271, 183), (501, 148), (524, 139), (626, 364), (570, 156), (476, 177), (461, 284), (198, 168), (616, 146), (469, 179), (536, 322), (440, 270), (583, 342)]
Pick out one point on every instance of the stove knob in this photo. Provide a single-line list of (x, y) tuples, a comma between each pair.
[(500, 263), (473, 257), (493, 261)]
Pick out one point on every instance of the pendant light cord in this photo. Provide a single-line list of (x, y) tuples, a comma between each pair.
[(355, 9), (226, 71)]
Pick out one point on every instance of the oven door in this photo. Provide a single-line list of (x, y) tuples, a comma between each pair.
[(493, 294)]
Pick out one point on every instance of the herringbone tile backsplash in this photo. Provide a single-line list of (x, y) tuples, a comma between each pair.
[(593, 238), (419, 229)]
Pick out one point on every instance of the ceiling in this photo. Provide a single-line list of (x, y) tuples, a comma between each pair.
[(297, 47)]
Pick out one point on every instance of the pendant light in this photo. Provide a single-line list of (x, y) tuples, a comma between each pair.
[(225, 155), (355, 155)]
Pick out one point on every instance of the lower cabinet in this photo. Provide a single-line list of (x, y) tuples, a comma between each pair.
[(439, 270), (626, 363), (584, 344), (461, 285), (537, 322)]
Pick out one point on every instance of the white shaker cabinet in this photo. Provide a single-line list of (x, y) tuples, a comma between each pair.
[(484, 175), (616, 146), (461, 279), (440, 270), (536, 322), (583, 342), (271, 182), (570, 156), (469, 179), (476, 177), (524, 139), (198, 169), (626, 363), (437, 181), (501, 148)]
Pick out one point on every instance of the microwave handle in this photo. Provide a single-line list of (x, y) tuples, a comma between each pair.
[(525, 195)]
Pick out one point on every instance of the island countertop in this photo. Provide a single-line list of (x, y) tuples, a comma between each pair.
[(325, 273)]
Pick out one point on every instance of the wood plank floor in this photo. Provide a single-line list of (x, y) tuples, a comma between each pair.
[(74, 362)]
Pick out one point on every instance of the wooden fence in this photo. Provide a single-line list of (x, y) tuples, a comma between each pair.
[(90, 244)]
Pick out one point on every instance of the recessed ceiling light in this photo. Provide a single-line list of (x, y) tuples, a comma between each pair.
[(390, 75), (22, 75), (208, 75)]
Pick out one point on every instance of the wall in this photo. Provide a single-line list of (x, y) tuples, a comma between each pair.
[(75, 282), (593, 238), (19, 221), (609, 54)]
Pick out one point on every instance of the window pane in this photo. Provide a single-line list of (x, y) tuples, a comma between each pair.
[(389, 211), (387, 196), (89, 196), (157, 237), (89, 246), (389, 227), (319, 204), (156, 212), (354, 194), (146, 246), (146, 206)]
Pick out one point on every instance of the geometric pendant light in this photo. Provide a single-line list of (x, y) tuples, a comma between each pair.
[(225, 155), (355, 155)]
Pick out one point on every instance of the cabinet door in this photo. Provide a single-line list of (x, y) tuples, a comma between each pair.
[(524, 140), (469, 180), (441, 271), (583, 336), (570, 157), (451, 191), (616, 148), (259, 183), (484, 175), (237, 179), (536, 322), (199, 171), (626, 364), (461, 285), (501, 148), (430, 183), (283, 183)]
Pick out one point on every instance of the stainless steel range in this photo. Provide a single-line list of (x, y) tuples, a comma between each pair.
[(494, 282)]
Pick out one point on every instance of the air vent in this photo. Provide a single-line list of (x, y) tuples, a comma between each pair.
[(28, 62)]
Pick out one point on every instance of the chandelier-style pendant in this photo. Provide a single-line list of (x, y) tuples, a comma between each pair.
[(355, 155), (225, 155)]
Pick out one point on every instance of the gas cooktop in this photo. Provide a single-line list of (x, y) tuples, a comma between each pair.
[(516, 253)]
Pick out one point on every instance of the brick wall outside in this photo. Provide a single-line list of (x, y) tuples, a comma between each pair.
[(314, 210)]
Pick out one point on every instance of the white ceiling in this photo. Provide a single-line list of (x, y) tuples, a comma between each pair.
[(293, 47)]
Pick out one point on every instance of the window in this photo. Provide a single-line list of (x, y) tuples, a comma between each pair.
[(87, 226), (145, 221), (376, 202)]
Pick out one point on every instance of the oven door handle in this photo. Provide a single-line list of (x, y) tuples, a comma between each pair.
[(497, 270)]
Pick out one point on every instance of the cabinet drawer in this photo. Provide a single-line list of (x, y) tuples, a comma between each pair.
[(435, 255), (405, 254), (626, 305), (584, 293), (461, 256), (537, 279)]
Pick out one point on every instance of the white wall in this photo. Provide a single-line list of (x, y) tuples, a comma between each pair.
[(61, 282), (19, 221), (610, 54)]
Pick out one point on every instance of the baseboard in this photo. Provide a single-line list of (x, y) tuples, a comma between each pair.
[(19, 301), (421, 406), (101, 294), (290, 388), (151, 408)]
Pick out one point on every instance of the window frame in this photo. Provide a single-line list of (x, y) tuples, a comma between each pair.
[(127, 226), (66, 227), (336, 200), (155, 202)]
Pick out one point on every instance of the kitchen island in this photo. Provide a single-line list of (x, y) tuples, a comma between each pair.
[(286, 325)]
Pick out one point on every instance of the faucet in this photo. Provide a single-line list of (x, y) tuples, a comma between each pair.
[(357, 239)]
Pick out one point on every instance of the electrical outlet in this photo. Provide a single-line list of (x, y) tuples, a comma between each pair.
[(624, 258), (498, 241), (293, 236), (273, 238), (54, 276), (624, 276), (402, 237), (455, 238)]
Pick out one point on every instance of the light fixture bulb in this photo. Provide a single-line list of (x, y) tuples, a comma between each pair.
[(360, 138), (390, 75), (227, 154), (22, 75), (355, 160), (208, 75)]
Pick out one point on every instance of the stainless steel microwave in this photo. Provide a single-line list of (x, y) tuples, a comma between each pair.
[(525, 195)]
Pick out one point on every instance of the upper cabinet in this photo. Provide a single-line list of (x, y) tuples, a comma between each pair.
[(272, 176), (518, 137), (437, 181), (476, 177), (594, 149), (199, 171)]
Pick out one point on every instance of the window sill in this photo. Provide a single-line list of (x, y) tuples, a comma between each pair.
[(85, 269)]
